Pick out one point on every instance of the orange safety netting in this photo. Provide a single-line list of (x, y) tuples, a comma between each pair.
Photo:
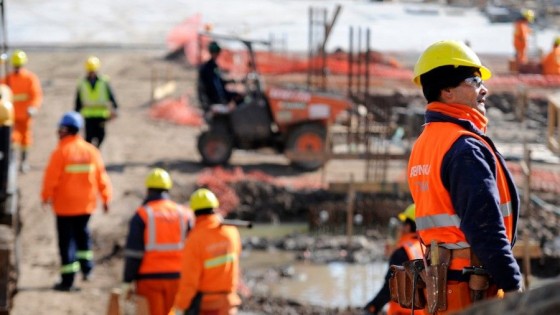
[(178, 111), (218, 180), (184, 33)]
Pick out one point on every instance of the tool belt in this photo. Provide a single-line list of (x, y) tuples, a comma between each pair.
[(422, 283)]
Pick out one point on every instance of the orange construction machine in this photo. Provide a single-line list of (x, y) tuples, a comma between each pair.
[(293, 121)]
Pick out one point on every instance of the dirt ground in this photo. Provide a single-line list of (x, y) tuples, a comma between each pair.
[(134, 144)]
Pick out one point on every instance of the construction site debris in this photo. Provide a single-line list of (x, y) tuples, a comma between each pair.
[(178, 111)]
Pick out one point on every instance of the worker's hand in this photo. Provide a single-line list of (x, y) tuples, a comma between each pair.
[(370, 309), (126, 290), (113, 115), (105, 208), (177, 311), (31, 111), (508, 293)]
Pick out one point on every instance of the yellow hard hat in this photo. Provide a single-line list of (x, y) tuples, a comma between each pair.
[(557, 41), (529, 15), (159, 179), (448, 53), (19, 58), (203, 199), (6, 113), (92, 64), (408, 213)]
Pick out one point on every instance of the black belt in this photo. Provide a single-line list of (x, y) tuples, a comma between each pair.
[(457, 275)]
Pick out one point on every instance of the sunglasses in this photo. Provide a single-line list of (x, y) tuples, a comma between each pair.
[(475, 82)]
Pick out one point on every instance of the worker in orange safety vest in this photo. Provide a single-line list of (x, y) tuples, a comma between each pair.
[(407, 248), (210, 269), (466, 200), (27, 97), (521, 33), (551, 62), (74, 178), (154, 245)]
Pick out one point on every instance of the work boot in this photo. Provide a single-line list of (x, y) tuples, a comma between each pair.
[(86, 277), (23, 165), (24, 168), (63, 288)]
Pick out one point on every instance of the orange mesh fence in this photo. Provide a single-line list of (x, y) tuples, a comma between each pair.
[(382, 66), (185, 33), (218, 180), (178, 111)]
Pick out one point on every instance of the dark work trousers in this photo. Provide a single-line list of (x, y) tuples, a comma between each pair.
[(95, 130), (74, 245)]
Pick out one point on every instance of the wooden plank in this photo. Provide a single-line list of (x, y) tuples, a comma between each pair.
[(114, 307), (164, 90), (534, 249)]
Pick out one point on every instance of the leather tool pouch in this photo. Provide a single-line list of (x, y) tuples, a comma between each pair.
[(393, 282), (404, 289), (435, 277)]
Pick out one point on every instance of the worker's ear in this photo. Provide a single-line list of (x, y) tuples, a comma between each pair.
[(446, 95)]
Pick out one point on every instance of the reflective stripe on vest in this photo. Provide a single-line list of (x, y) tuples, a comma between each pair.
[(413, 250), (218, 261), (152, 244), (78, 168), (20, 97), (95, 100), (436, 218)]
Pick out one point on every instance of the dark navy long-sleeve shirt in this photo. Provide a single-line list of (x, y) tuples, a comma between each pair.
[(468, 172)]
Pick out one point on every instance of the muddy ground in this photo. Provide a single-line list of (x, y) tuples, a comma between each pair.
[(134, 144)]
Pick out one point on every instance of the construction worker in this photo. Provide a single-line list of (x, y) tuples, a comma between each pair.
[(210, 268), (95, 101), (211, 83), (551, 62), (521, 33), (466, 200), (27, 98), (154, 245), (407, 248), (74, 178)]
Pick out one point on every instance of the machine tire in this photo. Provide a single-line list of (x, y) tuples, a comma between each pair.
[(309, 138), (215, 147)]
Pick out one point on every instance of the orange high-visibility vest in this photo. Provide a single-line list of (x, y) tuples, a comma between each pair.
[(551, 62), (435, 217), (75, 177), (210, 264), (165, 230), (521, 34), (26, 92)]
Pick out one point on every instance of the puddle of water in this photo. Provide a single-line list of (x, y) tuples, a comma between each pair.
[(331, 285)]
